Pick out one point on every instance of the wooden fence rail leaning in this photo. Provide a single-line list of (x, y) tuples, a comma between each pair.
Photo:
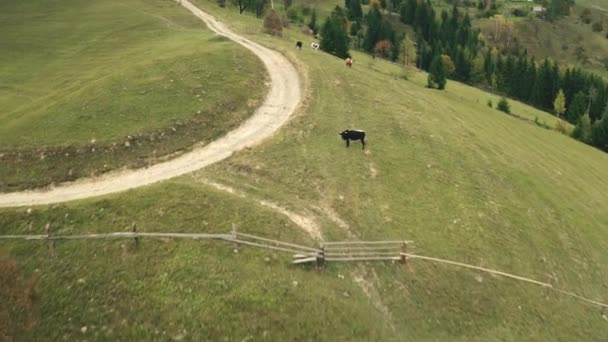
[(329, 251), (338, 251)]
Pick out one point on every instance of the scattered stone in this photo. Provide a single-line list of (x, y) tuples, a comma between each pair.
[(267, 259), (345, 294), (93, 141), (340, 276), (295, 283), (83, 329), (236, 251), (605, 317), (479, 278), (29, 210), (127, 144), (519, 307), (81, 281)]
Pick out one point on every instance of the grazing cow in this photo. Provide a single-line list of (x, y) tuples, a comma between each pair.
[(349, 62), (351, 134), (314, 45), (299, 45)]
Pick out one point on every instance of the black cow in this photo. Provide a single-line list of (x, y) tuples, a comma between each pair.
[(351, 134), (299, 45)]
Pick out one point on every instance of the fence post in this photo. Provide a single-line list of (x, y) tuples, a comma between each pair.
[(321, 257), (50, 240), (136, 237), (234, 237), (403, 258)]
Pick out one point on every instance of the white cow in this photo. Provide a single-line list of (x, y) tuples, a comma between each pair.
[(314, 45)]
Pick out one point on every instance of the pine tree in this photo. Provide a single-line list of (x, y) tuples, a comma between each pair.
[(408, 11), (377, 29), (577, 107), (599, 131), (355, 12), (582, 131), (312, 24), (437, 73), (334, 38)]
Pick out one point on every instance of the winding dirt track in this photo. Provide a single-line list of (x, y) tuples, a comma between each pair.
[(280, 103)]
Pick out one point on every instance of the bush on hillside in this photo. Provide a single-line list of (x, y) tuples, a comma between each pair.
[(383, 49), (293, 15), (519, 12), (490, 103), (503, 106), (561, 127), (582, 131), (221, 3), (586, 16), (597, 26), (273, 24), (437, 73)]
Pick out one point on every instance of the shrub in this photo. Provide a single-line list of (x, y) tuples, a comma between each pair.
[(383, 49), (503, 105), (597, 26), (273, 24), (437, 74), (221, 3), (293, 15), (561, 127), (518, 12), (306, 10), (586, 16), (490, 103)]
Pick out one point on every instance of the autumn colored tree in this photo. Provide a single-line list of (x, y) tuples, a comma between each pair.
[(559, 105), (449, 64), (383, 49)]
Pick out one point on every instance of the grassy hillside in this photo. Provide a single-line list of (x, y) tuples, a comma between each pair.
[(466, 182), (81, 78)]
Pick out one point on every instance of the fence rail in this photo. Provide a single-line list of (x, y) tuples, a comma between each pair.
[(337, 251)]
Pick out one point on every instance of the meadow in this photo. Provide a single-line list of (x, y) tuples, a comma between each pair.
[(88, 87), (464, 181)]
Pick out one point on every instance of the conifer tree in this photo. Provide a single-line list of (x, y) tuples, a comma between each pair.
[(334, 38), (437, 73)]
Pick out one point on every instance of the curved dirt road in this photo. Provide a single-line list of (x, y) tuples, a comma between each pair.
[(281, 101)]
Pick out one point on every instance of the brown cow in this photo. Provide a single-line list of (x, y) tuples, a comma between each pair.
[(349, 62)]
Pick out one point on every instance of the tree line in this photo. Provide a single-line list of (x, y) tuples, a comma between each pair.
[(448, 47)]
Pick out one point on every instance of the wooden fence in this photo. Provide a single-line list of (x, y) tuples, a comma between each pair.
[(339, 251), (329, 251)]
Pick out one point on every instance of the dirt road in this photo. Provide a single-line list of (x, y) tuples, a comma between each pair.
[(280, 103)]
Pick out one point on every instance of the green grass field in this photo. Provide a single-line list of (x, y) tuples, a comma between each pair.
[(464, 181), (78, 78)]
